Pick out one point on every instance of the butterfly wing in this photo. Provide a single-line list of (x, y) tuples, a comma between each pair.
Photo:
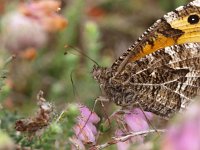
[(166, 80)]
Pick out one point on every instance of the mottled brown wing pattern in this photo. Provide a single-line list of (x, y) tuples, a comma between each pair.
[(164, 81)]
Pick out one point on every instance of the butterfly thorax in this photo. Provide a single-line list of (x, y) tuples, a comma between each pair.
[(101, 74), (113, 86)]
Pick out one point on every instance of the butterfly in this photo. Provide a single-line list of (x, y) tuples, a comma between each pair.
[(160, 72)]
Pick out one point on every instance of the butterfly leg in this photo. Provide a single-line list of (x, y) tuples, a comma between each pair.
[(147, 119), (102, 99), (98, 99)]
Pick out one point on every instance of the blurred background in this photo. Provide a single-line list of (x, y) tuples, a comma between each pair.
[(41, 35)]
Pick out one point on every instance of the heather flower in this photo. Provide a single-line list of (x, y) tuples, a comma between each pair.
[(45, 12), (85, 112), (185, 134), (86, 134), (20, 33), (134, 121), (77, 144), (85, 129), (122, 145), (28, 26)]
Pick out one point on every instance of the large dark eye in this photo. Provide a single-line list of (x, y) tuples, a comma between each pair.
[(193, 19)]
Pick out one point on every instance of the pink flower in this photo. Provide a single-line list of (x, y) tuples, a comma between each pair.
[(20, 33), (45, 13), (77, 144), (85, 113), (122, 145), (29, 25), (185, 134), (144, 115), (85, 129), (134, 121)]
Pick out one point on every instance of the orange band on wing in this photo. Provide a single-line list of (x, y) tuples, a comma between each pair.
[(160, 42)]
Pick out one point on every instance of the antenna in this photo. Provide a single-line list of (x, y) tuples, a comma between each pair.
[(73, 85), (77, 50)]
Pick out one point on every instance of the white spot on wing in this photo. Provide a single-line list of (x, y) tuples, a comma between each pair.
[(179, 8), (196, 3), (193, 48), (183, 87), (193, 74), (191, 45), (178, 88), (169, 51), (171, 16), (172, 53), (153, 74)]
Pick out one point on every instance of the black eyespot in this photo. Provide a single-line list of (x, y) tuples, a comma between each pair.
[(193, 19)]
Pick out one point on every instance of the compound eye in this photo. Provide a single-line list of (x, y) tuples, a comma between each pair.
[(193, 19)]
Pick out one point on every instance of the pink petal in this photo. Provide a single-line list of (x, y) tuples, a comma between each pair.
[(144, 115), (136, 122), (78, 143), (185, 137), (21, 33), (122, 145), (86, 134), (85, 113), (92, 127)]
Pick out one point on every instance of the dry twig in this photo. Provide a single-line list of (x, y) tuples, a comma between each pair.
[(126, 137)]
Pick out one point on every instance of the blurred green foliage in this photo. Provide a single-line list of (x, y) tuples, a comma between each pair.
[(171, 4)]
